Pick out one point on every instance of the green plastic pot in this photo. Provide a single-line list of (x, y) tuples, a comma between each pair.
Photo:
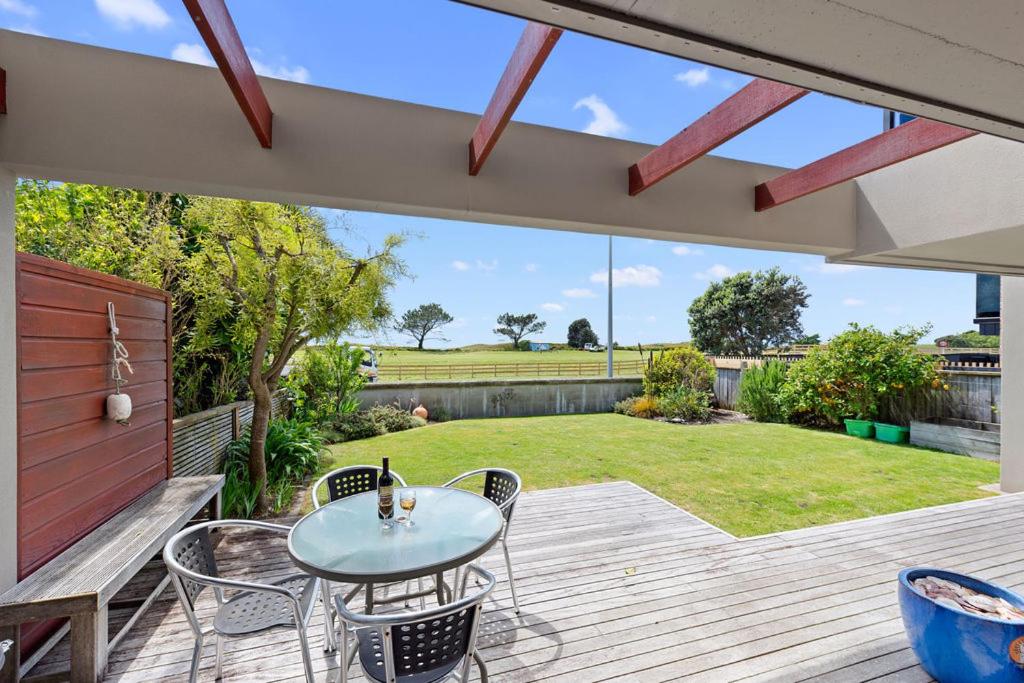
[(863, 429), (891, 433)]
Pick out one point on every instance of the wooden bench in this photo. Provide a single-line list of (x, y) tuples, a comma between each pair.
[(81, 581)]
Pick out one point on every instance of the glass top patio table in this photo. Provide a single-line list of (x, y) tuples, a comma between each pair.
[(345, 541)]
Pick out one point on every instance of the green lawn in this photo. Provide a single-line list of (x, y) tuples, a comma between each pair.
[(748, 479)]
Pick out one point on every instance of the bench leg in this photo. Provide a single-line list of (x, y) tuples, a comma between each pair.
[(88, 646), (215, 506), (9, 671)]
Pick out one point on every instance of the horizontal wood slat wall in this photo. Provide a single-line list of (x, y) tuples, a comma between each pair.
[(76, 468), (200, 439)]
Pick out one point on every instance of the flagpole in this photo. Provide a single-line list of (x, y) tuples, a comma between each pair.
[(608, 341)]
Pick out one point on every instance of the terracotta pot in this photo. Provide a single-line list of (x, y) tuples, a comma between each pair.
[(420, 411)]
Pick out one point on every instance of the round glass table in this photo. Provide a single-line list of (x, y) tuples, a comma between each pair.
[(344, 541)]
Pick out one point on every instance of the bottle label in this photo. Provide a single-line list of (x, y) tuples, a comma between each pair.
[(386, 501)]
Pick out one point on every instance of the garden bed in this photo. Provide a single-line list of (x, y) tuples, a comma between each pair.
[(964, 437)]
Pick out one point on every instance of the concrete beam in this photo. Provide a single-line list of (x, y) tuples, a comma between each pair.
[(8, 395), (88, 114), (956, 208)]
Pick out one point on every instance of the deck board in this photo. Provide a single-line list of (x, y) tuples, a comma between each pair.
[(617, 584)]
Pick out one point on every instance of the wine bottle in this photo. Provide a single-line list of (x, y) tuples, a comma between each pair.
[(385, 494)]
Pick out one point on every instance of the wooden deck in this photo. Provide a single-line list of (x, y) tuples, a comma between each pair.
[(617, 584)]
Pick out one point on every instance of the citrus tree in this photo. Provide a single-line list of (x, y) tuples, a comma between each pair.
[(860, 373)]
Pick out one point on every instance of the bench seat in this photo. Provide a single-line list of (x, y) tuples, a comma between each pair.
[(81, 581)]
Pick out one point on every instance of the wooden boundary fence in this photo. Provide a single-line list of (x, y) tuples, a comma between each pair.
[(201, 439)]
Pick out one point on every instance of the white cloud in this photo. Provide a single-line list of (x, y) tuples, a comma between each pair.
[(193, 53), (126, 14), (460, 265), (18, 7), (652, 319), (487, 266), (834, 268), (630, 276), (299, 74), (715, 272), (553, 308), (531, 267), (605, 122), (851, 301), (683, 250), (579, 293), (694, 77)]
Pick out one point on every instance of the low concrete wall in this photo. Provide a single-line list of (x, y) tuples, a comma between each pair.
[(506, 398)]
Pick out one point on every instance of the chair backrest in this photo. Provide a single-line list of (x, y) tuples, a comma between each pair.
[(421, 642), (348, 481), (501, 487), (193, 552)]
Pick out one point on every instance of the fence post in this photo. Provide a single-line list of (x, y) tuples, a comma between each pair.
[(236, 423)]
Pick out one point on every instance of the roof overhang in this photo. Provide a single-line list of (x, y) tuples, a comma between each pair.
[(89, 114), (940, 59)]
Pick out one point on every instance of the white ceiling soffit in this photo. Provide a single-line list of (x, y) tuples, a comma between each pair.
[(942, 59)]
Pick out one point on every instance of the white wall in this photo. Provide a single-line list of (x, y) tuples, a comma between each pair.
[(1011, 351), (8, 397)]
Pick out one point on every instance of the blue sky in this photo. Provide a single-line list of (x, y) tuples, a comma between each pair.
[(444, 54)]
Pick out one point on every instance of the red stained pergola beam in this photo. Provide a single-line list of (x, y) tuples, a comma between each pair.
[(221, 37), (891, 147), (531, 51), (757, 100)]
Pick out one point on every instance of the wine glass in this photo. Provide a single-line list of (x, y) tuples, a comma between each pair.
[(407, 501)]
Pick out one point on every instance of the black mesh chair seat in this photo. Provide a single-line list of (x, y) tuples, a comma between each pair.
[(251, 611)]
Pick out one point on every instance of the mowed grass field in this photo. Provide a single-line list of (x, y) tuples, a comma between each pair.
[(747, 478), (410, 364)]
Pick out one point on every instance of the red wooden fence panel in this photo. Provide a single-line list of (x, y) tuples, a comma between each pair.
[(75, 467)]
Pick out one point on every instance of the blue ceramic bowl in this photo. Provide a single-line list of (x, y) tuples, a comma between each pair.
[(957, 647)]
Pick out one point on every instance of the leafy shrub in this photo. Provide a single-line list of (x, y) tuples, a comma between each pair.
[(683, 366), (638, 406), (440, 414), (760, 389), (352, 426), (685, 403), (392, 418), (292, 451), (326, 382), (857, 375)]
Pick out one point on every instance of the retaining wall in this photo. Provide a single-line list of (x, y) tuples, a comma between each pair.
[(464, 399)]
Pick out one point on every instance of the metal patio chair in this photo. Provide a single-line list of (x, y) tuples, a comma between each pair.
[(342, 483), (254, 608), (428, 646), (502, 487)]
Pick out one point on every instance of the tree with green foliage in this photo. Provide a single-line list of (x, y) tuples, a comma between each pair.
[(808, 340), (326, 381), (971, 339), (858, 375), (581, 334), (423, 320), (515, 327), (272, 271), (748, 313)]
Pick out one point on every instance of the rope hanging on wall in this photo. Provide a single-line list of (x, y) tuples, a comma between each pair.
[(119, 406)]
